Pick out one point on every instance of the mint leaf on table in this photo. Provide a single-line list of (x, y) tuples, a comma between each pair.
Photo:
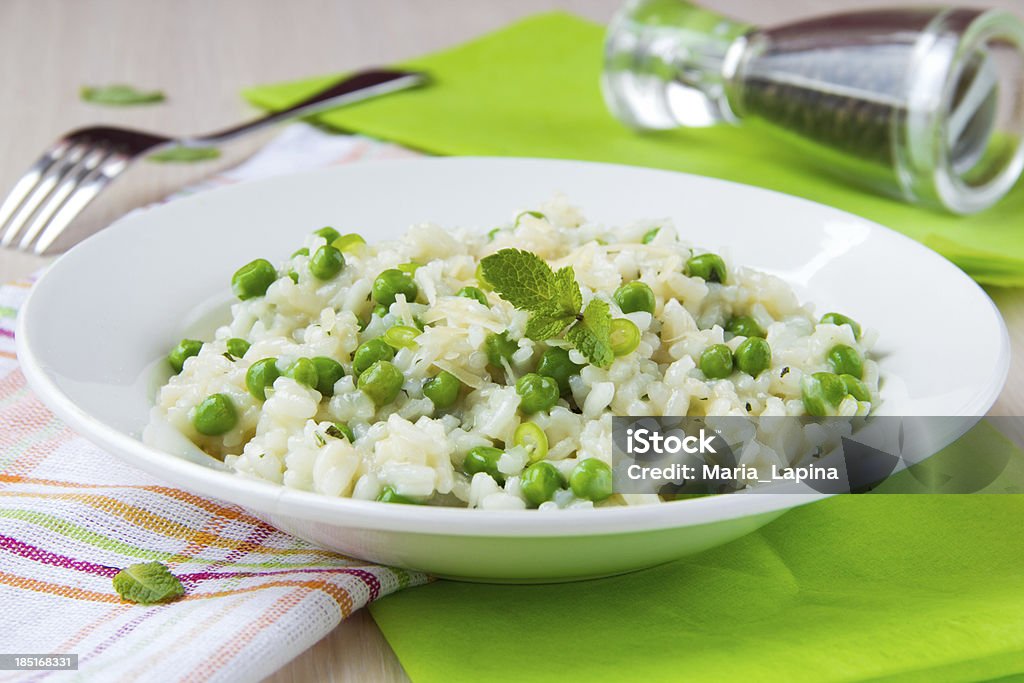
[(553, 300), (147, 583), (184, 155), (120, 95), (591, 335)]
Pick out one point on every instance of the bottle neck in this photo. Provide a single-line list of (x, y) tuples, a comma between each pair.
[(667, 64)]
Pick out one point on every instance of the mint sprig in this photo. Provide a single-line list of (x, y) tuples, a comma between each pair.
[(591, 335), (147, 583), (553, 300)]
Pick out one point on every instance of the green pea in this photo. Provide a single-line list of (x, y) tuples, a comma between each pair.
[(442, 389), (556, 364), (380, 311), (474, 293), (539, 482), (369, 352), (840, 319), (484, 459), (303, 371), (326, 263), (499, 347), (253, 279), (856, 388), (389, 495), (340, 430), (237, 347), (709, 267), (301, 251), (536, 393), (635, 296), (348, 244), (392, 282), (716, 361), (533, 439), (328, 372), (744, 326), (821, 393), (328, 233), (649, 236), (185, 349), (753, 356), (260, 375), (401, 337), (624, 336), (382, 382), (591, 479), (846, 360), (216, 415)]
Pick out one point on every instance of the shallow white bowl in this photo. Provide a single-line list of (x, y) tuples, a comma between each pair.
[(104, 316)]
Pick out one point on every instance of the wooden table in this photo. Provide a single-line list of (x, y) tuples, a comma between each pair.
[(201, 54)]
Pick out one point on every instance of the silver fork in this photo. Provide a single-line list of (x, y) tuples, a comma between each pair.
[(72, 172)]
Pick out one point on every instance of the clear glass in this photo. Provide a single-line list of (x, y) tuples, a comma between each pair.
[(924, 104)]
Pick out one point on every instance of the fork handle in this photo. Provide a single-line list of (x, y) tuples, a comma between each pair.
[(361, 86)]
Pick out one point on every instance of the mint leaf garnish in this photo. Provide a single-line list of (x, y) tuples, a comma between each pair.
[(521, 278), (543, 326), (120, 95), (569, 296), (147, 583), (591, 335), (553, 300), (186, 155)]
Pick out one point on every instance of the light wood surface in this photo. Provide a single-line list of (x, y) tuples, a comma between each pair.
[(202, 52)]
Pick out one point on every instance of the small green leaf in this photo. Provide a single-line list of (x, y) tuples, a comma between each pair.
[(541, 326), (184, 155), (120, 95), (147, 583), (569, 295), (591, 335), (535, 214), (520, 277)]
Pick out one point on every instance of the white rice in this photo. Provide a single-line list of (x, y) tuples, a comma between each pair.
[(417, 451)]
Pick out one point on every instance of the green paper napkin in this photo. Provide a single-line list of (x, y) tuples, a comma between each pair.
[(922, 588), (531, 89)]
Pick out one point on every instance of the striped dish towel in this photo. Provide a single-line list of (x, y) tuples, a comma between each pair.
[(71, 516)]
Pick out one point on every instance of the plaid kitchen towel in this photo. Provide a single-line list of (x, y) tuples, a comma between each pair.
[(72, 515)]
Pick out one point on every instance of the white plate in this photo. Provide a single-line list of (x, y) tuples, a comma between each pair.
[(106, 313)]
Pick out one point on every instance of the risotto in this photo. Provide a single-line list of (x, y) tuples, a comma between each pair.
[(483, 369)]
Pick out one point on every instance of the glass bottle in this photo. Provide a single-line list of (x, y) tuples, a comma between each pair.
[(924, 104)]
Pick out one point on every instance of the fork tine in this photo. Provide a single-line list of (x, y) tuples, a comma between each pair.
[(29, 180), (41, 191), (68, 184), (111, 167)]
